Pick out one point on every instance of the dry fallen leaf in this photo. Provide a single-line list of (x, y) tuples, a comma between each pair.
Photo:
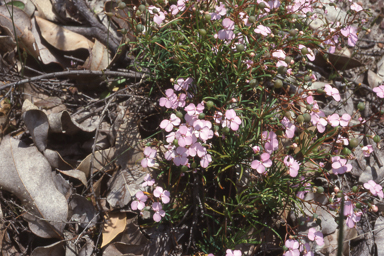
[(21, 23), (100, 160), (82, 211), (99, 58), (45, 9), (46, 55), (26, 173), (339, 62), (79, 175), (26, 5), (374, 79), (61, 38), (123, 249), (57, 249), (114, 224)]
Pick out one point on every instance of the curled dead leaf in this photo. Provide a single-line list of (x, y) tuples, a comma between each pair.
[(61, 38), (21, 24), (26, 173), (114, 224)]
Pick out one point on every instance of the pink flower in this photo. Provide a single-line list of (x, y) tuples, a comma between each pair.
[(218, 117), (289, 127), (293, 248), (183, 84), (356, 7), (320, 122), (352, 216), (264, 162), (279, 54), (244, 17), (184, 136), (170, 153), (227, 32), (307, 250), (149, 160), (342, 140), (300, 6), (315, 235), (317, 118), (307, 188), (256, 149), (159, 212), (192, 110), (220, 10), (140, 203), (335, 120), (263, 30), (233, 253), (340, 166), (202, 130), (281, 63), (292, 164), (197, 148), (274, 4), (190, 119), (379, 91), (367, 150), (180, 101), (351, 33), (159, 15), (174, 9), (181, 156), (231, 120), (249, 63), (330, 91), (205, 160), (310, 54), (148, 181), (310, 99), (169, 100), (167, 125), (272, 143), (332, 42), (375, 189), (162, 194)]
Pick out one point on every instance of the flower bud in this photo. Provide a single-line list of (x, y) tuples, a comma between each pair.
[(361, 106), (179, 114)]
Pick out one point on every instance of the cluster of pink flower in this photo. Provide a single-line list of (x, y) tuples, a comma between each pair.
[(349, 32), (294, 247), (351, 211), (157, 207), (318, 117), (188, 139), (271, 144)]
